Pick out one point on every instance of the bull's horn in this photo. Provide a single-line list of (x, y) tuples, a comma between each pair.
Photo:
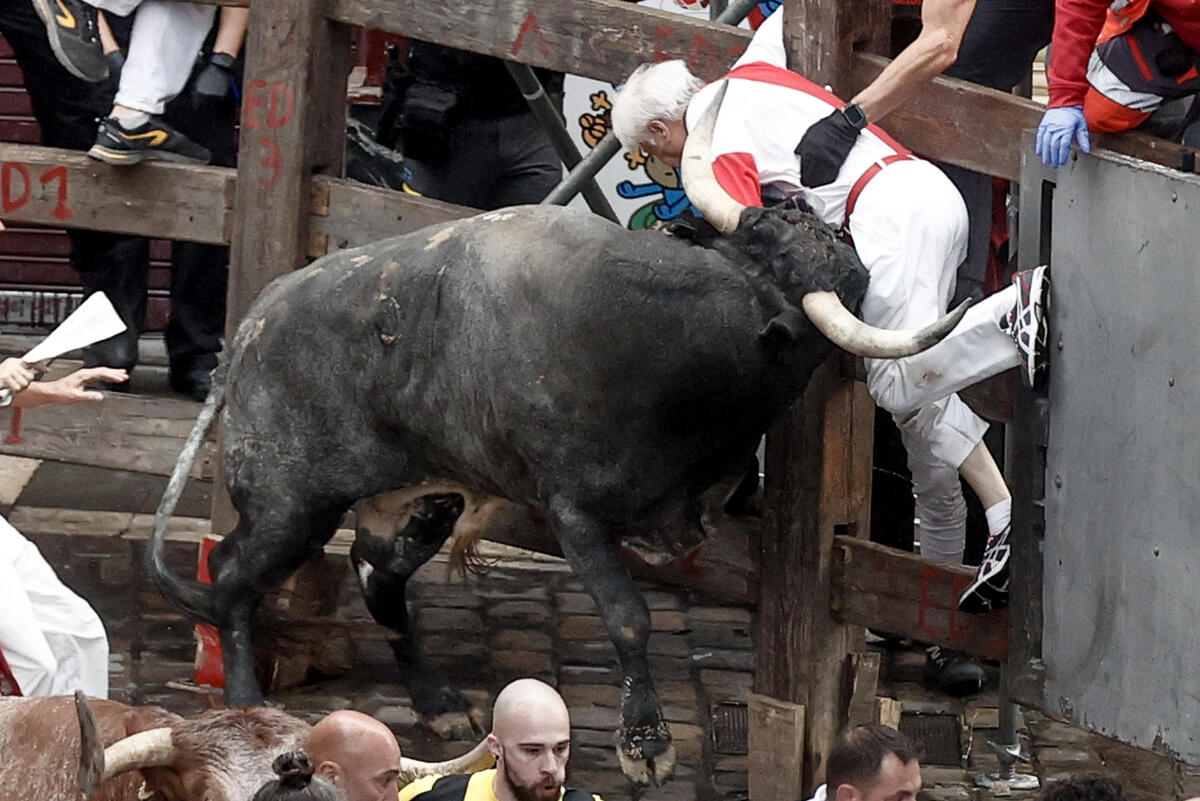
[(699, 180), (146, 749), (478, 758), (843, 329), (151, 748)]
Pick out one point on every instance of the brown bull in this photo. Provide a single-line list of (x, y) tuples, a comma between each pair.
[(149, 753)]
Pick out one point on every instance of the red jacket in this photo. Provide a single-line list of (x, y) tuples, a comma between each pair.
[(1078, 25)]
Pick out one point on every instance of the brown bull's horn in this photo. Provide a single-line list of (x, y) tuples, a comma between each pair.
[(843, 329), (699, 180), (146, 749), (478, 758)]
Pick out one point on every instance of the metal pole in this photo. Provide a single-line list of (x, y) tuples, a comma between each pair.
[(593, 162), (551, 121), (584, 172)]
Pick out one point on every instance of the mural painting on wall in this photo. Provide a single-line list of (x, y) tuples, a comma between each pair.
[(643, 191)]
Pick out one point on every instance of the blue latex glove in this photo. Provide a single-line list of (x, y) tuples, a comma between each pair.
[(1058, 128)]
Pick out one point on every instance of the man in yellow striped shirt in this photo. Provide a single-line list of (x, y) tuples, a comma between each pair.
[(531, 742)]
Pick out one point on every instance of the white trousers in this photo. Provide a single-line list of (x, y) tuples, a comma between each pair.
[(910, 230), (53, 640), (163, 47)]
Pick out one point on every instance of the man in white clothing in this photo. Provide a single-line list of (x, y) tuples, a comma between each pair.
[(871, 763), (51, 639), (909, 227)]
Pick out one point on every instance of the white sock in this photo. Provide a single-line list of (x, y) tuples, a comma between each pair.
[(130, 118), (998, 516)]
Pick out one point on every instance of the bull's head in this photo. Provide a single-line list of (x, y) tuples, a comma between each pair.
[(791, 245), (219, 756)]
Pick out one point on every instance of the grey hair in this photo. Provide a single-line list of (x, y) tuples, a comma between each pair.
[(653, 92)]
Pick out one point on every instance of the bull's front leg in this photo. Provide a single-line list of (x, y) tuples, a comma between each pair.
[(643, 741)]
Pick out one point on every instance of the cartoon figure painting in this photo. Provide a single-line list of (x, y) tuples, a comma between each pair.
[(664, 182)]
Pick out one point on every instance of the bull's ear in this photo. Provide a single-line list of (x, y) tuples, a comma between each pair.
[(787, 326)]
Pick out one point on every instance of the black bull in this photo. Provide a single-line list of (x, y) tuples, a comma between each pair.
[(611, 379)]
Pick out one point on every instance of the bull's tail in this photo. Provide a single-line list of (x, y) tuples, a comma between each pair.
[(193, 597)]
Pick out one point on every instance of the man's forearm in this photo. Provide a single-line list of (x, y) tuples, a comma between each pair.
[(934, 51)]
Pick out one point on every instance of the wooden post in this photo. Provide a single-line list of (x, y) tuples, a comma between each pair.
[(293, 125), (822, 35), (818, 464), (818, 484)]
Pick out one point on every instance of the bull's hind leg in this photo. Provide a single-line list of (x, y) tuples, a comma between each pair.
[(268, 545), (393, 540)]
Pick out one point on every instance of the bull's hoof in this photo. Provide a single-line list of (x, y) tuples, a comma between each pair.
[(646, 755), (456, 725)]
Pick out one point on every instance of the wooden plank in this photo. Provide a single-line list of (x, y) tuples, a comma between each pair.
[(980, 128), (292, 125), (349, 214), (603, 39), (776, 737), (801, 648), (863, 669), (821, 36), (888, 712), (66, 188), (125, 432), (901, 593)]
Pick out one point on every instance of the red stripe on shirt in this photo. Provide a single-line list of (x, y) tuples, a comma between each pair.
[(763, 72), (737, 173)]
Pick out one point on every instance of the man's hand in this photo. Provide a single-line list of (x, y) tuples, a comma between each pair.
[(824, 148), (1059, 127), (16, 375), (70, 388)]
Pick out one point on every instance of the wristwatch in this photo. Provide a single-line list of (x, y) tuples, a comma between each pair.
[(854, 115)]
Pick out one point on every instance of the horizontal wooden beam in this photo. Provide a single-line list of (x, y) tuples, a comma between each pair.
[(66, 188), (603, 39), (901, 593), (346, 214)]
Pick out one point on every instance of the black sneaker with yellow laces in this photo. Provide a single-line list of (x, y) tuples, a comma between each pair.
[(152, 140), (74, 37)]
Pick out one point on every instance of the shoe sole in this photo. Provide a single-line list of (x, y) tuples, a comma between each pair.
[(42, 7), (126, 157), (983, 596), (1039, 297)]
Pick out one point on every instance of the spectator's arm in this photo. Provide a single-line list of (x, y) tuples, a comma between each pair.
[(934, 50), (69, 389), (231, 31), (1077, 25)]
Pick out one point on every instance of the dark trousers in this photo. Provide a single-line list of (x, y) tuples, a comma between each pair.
[(67, 110), (489, 164)]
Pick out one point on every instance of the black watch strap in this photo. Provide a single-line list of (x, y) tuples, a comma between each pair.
[(854, 115)]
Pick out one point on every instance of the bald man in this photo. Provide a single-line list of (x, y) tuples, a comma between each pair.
[(357, 754), (531, 743)]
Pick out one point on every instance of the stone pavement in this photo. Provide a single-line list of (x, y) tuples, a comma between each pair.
[(526, 616)]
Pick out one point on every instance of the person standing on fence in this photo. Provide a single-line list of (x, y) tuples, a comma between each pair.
[(908, 225), (1148, 52), (66, 108), (466, 133), (165, 41), (51, 640)]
